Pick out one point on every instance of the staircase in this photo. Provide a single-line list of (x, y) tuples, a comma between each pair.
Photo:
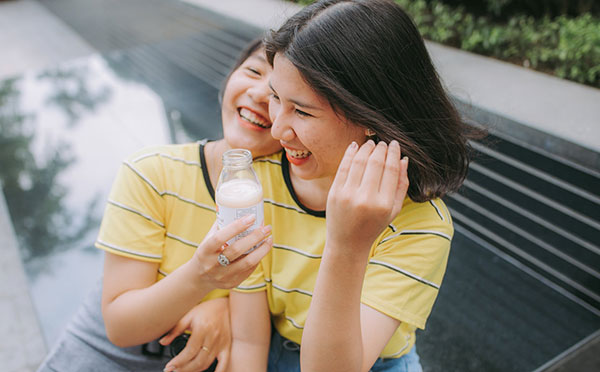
[(538, 209)]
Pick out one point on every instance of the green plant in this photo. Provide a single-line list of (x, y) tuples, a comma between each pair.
[(565, 46)]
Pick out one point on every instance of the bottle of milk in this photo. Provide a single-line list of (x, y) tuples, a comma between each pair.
[(239, 193)]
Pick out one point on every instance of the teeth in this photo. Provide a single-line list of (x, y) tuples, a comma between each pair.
[(298, 154), (253, 118)]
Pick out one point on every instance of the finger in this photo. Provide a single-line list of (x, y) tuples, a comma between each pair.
[(249, 261), (242, 246), (170, 336), (344, 167), (402, 188), (215, 241), (359, 162), (391, 173), (205, 356), (189, 352), (375, 169)]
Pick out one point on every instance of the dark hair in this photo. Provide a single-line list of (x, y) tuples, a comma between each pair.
[(367, 58), (252, 47)]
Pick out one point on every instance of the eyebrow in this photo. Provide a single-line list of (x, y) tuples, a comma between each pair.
[(296, 102), (259, 56)]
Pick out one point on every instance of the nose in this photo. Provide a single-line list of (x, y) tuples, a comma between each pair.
[(280, 128), (260, 92)]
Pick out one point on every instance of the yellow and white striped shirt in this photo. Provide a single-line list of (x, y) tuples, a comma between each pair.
[(405, 269), (160, 208)]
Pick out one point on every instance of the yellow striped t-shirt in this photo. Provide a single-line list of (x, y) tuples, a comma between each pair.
[(160, 208), (404, 272)]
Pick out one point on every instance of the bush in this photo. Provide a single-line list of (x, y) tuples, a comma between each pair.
[(565, 46)]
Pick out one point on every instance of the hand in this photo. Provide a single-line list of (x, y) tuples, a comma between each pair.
[(241, 264), (210, 337), (367, 193)]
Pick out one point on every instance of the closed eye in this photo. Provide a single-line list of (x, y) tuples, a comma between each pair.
[(254, 71), (303, 113)]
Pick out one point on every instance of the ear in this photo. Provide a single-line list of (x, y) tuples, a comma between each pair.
[(369, 132)]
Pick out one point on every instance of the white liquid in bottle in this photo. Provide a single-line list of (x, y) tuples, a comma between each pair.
[(238, 193)]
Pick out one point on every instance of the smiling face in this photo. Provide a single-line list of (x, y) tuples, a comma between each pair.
[(245, 109), (313, 135)]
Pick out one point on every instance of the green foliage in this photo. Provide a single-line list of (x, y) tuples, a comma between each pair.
[(565, 46), (568, 47)]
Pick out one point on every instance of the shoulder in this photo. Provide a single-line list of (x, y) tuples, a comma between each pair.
[(428, 219), (154, 154), (156, 164)]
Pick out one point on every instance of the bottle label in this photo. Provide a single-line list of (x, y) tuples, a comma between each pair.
[(226, 215)]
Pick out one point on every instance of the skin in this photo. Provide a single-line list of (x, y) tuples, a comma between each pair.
[(137, 309), (362, 187)]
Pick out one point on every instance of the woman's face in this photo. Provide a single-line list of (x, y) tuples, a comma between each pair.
[(313, 135), (245, 108)]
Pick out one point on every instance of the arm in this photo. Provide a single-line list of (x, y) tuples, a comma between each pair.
[(251, 331), (138, 310), (340, 334)]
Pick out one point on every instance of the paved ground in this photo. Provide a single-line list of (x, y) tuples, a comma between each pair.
[(21, 343), (32, 38)]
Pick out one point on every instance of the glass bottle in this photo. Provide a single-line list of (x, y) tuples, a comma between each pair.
[(239, 193)]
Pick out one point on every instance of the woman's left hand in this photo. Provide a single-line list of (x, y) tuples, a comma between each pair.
[(367, 193), (210, 337)]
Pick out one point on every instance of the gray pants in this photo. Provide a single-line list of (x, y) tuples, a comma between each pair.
[(83, 346)]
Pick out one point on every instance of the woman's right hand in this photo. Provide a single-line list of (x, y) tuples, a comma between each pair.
[(210, 337), (241, 264)]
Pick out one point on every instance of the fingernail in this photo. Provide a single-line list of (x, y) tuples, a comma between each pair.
[(394, 142), (353, 145), (249, 218), (266, 229), (405, 159), (371, 142)]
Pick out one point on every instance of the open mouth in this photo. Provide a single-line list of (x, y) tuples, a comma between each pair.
[(253, 118), (297, 154)]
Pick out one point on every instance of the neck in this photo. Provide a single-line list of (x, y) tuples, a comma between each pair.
[(213, 153), (311, 193)]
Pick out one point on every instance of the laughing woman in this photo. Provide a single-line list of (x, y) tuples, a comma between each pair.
[(354, 97), (160, 273)]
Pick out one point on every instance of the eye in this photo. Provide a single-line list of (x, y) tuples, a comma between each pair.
[(302, 113), (274, 96), (253, 70)]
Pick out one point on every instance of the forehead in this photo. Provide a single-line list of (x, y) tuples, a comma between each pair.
[(287, 80), (258, 55)]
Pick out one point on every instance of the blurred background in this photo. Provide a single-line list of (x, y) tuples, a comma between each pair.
[(84, 83)]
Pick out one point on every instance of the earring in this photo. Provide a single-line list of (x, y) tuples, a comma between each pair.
[(370, 133)]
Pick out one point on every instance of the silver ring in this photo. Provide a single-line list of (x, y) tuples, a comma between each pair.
[(223, 260)]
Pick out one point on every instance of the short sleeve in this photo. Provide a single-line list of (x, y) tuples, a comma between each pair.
[(407, 265), (133, 223)]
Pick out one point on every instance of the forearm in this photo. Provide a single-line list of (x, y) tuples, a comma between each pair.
[(332, 339), (140, 315), (251, 332)]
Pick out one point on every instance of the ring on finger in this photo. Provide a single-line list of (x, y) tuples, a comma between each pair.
[(223, 260)]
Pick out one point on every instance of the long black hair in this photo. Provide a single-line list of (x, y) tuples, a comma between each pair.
[(368, 60)]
